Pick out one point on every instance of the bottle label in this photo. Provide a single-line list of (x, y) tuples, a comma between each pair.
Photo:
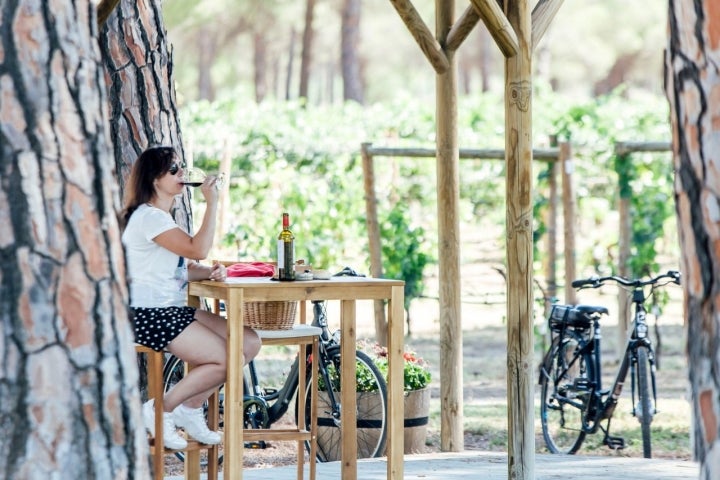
[(280, 254), (286, 260)]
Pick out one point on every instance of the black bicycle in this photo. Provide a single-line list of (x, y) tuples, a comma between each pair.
[(573, 400), (264, 405)]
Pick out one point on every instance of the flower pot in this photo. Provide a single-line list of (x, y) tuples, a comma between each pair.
[(368, 430), (417, 409)]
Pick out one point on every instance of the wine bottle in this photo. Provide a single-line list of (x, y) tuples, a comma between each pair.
[(286, 251)]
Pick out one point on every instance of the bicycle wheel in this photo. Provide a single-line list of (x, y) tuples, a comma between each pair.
[(173, 372), (564, 394), (371, 409), (644, 410)]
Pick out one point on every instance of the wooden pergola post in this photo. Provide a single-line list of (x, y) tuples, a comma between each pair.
[(448, 191), (519, 250)]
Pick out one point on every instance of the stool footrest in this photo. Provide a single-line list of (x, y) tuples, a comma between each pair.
[(192, 446), (280, 435)]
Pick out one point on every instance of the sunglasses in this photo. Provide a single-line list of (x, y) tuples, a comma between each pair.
[(174, 168)]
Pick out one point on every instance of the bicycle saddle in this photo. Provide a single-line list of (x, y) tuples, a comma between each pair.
[(588, 309)]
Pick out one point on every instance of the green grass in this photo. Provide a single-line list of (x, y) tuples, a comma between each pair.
[(670, 431), (485, 424)]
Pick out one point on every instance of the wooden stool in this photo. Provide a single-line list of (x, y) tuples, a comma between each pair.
[(301, 335), (155, 362)]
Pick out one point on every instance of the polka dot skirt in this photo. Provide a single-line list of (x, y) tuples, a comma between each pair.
[(157, 327)]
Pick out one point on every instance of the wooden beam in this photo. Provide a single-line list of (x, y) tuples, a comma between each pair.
[(462, 28), (498, 25), (422, 35), (542, 16), (104, 9), (622, 148), (540, 154)]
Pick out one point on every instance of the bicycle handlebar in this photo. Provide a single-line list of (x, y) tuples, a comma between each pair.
[(595, 282)]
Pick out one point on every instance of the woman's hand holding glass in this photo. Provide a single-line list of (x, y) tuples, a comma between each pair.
[(209, 184)]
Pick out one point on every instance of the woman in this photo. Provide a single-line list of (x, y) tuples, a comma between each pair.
[(156, 249)]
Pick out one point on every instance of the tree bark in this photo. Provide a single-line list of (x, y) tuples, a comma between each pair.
[(350, 56), (693, 90), (142, 103), (69, 396)]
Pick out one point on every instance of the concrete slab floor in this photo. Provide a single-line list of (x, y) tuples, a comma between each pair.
[(493, 466)]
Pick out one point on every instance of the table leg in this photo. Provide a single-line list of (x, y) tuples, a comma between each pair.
[(396, 382), (348, 414), (233, 412)]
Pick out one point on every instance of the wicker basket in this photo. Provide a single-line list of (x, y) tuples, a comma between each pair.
[(269, 315)]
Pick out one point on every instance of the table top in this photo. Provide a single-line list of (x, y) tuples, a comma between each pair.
[(265, 289)]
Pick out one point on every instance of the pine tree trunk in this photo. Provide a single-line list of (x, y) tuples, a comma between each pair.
[(139, 70), (207, 54), (260, 50), (307, 44), (350, 55), (68, 395), (693, 83)]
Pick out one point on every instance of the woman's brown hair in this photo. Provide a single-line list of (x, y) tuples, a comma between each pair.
[(140, 186)]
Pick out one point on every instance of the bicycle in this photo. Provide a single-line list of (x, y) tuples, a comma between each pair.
[(263, 406), (573, 400)]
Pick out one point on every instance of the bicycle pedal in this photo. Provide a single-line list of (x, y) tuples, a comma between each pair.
[(615, 443), (582, 384)]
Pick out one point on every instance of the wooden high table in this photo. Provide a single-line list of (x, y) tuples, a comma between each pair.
[(237, 291)]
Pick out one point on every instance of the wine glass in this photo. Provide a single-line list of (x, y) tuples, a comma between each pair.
[(194, 177)]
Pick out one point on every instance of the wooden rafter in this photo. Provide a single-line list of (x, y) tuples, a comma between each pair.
[(498, 25), (425, 39), (542, 16), (462, 28)]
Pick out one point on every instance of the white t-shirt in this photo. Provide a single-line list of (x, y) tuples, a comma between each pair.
[(158, 278)]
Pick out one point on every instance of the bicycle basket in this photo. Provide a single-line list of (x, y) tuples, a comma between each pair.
[(269, 315), (563, 316)]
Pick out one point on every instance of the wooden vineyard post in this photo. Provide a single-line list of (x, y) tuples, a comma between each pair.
[(569, 208), (374, 244)]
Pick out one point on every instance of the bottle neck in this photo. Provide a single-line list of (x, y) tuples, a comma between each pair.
[(285, 221)]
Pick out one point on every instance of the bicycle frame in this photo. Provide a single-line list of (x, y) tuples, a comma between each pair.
[(638, 337), (597, 408), (572, 377), (277, 402)]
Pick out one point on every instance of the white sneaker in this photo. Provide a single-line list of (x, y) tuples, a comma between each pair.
[(171, 438), (193, 421)]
